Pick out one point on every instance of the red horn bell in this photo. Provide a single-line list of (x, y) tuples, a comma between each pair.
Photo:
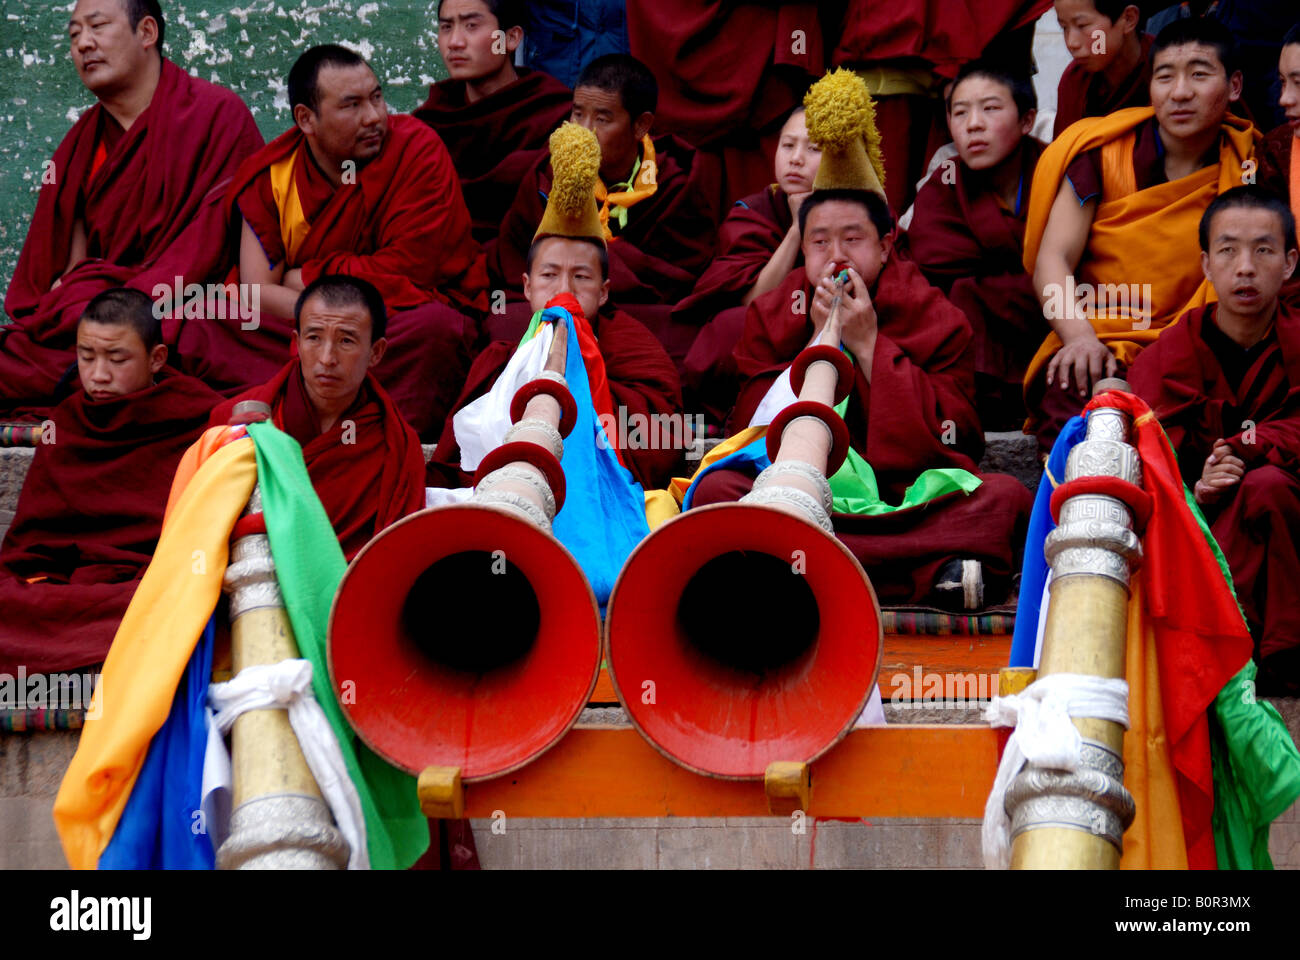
[(740, 635), (464, 637)]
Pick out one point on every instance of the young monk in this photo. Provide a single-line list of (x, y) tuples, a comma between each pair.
[(92, 505), (968, 227), (364, 461), (1225, 383), (350, 189), (492, 116), (657, 199), (1112, 219), (758, 246), (569, 256), (1279, 161), (131, 197), (912, 403), (1111, 66)]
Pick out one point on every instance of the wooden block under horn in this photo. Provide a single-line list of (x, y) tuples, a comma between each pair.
[(442, 796), (788, 787), (1013, 680)]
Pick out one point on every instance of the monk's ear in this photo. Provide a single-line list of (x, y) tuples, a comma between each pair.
[(514, 37), (305, 119), (1234, 86), (157, 357), (642, 124), (146, 31), (886, 247), (528, 289), (1205, 266), (1027, 121), (1292, 256), (1128, 20), (604, 290), (377, 351)]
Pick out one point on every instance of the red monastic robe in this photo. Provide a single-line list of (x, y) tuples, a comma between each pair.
[(368, 469), (152, 211), (971, 247), (1082, 94), (642, 381), (1279, 171), (750, 234), (494, 141), (917, 412), (728, 75), (402, 226), (89, 518), (1257, 523)]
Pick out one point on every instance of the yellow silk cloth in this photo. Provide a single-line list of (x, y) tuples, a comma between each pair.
[(284, 190), (154, 643), (1138, 236), (1155, 840), (644, 184), (662, 505)]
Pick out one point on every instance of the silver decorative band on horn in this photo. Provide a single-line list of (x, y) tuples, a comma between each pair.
[(807, 504), (1092, 799), (801, 469), (525, 475), (830, 436), (552, 435), (508, 500), (1094, 537), (250, 575), (283, 832)]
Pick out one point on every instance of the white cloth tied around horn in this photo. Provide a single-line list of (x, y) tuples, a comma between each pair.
[(481, 426), (1044, 737), (287, 684)]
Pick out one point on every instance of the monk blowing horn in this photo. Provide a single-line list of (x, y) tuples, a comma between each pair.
[(744, 635), (469, 634)]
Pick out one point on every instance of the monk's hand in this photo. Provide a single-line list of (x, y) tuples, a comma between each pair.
[(858, 318), (58, 282), (1223, 469), (1082, 361), (293, 279), (796, 202)]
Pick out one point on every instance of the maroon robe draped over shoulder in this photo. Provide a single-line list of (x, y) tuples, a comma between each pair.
[(152, 212), (367, 469), (403, 227), (728, 75), (1257, 523), (495, 140), (971, 247), (642, 381), (89, 518), (917, 412), (1082, 94)]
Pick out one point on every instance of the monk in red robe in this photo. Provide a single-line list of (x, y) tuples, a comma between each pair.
[(758, 246), (132, 196), (1279, 161), (1225, 383), (1111, 66), (657, 200), (91, 508), (364, 461), (492, 116), (642, 380), (911, 408), (1112, 219), (907, 50), (728, 75), (352, 190), (968, 227)]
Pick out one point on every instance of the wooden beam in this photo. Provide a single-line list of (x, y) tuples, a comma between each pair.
[(941, 770)]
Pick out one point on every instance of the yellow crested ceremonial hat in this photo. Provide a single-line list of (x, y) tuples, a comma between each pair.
[(571, 205), (841, 119)]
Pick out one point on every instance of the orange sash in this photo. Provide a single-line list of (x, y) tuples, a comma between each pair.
[(1138, 237), (644, 185), (284, 190)]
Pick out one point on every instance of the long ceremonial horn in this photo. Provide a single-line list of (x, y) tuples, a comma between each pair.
[(464, 640), (741, 636)]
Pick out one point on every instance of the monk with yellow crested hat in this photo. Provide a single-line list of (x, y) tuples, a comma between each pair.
[(632, 378), (912, 407)]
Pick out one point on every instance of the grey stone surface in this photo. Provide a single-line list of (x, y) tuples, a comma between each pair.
[(14, 463), (1013, 453)]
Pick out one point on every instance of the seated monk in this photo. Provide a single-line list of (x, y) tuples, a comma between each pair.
[(132, 197), (758, 246), (968, 228), (364, 460), (570, 256), (493, 117), (1112, 215), (1279, 161), (1111, 66), (911, 407), (1225, 383), (657, 200), (352, 190), (91, 509)]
